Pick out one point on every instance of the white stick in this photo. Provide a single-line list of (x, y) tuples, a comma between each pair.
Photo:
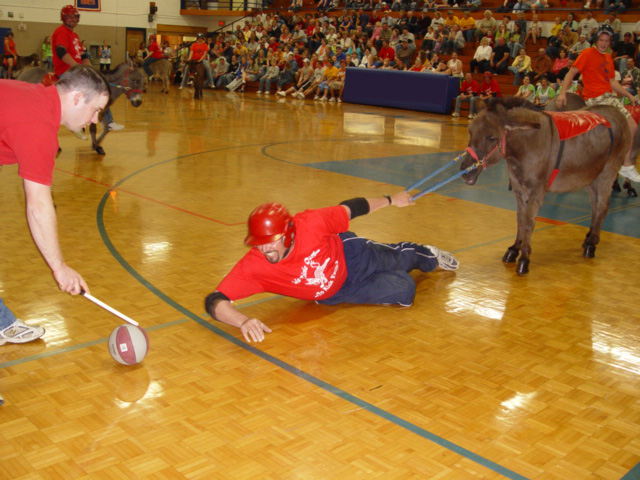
[(108, 308)]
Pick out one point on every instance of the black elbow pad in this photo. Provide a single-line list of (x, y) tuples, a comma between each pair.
[(211, 301), (61, 51), (358, 206)]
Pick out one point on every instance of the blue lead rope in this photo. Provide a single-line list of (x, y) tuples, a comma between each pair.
[(443, 182)]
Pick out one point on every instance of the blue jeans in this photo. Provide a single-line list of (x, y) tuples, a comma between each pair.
[(108, 116), (265, 83), (377, 272), (148, 62), (6, 316)]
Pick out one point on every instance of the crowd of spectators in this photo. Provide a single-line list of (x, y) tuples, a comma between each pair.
[(307, 55)]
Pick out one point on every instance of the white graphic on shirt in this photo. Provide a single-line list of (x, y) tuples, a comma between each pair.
[(318, 277)]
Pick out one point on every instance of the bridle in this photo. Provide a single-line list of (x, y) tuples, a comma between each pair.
[(502, 145), (124, 84)]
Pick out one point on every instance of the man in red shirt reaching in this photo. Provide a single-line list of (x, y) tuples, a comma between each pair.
[(313, 256), (599, 84), (32, 115)]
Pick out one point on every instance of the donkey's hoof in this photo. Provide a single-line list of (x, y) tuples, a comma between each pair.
[(631, 192), (510, 256), (616, 187), (99, 150), (589, 251), (523, 267)]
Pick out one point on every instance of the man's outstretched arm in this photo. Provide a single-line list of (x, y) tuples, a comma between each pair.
[(219, 307), (361, 206)]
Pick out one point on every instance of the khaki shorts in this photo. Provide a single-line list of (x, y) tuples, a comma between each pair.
[(609, 99)]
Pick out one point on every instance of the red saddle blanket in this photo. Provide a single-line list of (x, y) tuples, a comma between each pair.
[(634, 110), (572, 124)]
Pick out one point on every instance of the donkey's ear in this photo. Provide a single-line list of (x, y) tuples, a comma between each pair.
[(480, 105), (513, 124), (128, 59)]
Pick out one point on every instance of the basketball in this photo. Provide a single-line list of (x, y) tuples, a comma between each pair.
[(128, 344)]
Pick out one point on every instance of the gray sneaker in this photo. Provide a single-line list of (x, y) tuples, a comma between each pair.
[(19, 332), (446, 261)]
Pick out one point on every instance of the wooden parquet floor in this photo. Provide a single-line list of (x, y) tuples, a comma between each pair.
[(487, 376)]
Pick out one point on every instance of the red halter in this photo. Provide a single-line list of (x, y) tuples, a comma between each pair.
[(502, 145), (124, 84)]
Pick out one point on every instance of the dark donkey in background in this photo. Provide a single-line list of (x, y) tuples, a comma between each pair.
[(538, 162), (124, 79)]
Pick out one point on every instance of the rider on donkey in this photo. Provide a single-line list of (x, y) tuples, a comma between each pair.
[(596, 66)]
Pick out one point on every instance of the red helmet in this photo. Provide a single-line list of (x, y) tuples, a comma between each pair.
[(268, 223), (152, 37), (68, 10)]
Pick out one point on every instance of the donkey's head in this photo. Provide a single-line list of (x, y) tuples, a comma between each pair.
[(488, 134)]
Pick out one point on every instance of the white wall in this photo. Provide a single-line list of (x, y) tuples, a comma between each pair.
[(114, 13)]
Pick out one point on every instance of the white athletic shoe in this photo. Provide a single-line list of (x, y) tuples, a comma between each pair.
[(80, 134), (259, 92), (316, 97), (323, 99), (455, 114), (630, 172), (446, 261), (339, 100), (332, 99), (282, 94), (267, 92), (115, 126), (19, 332)]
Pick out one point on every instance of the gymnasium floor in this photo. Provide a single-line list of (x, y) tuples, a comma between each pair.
[(488, 375)]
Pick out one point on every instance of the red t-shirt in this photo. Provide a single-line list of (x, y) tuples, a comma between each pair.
[(387, 52), (12, 48), (155, 50), (68, 39), (315, 268), (198, 50), (597, 71), (489, 88), (469, 88), (29, 129)]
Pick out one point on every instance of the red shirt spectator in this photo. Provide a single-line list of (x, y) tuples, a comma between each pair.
[(387, 52)]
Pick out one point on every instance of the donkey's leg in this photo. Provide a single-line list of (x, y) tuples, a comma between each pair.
[(599, 195), (95, 142), (529, 202), (513, 251)]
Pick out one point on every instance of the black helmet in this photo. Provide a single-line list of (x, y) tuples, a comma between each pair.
[(10, 32), (200, 35), (605, 28)]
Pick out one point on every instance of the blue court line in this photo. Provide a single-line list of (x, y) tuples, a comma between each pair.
[(633, 474), (279, 363)]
